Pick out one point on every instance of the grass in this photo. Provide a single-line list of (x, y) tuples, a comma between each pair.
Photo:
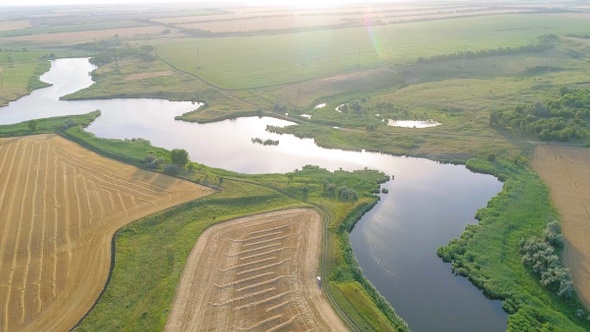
[(46, 126), (19, 74), (116, 80), (367, 313), (129, 151), (489, 254), (259, 61), (129, 305), (112, 81)]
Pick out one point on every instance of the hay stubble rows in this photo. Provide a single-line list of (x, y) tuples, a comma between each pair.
[(256, 273), (59, 208)]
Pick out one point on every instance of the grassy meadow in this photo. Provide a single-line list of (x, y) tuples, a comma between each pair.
[(19, 73), (268, 60), (411, 71)]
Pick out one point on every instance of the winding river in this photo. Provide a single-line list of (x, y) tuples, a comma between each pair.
[(395, 243)]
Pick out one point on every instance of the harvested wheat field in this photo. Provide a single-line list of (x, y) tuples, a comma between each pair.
[(257, 273), (59, 208), (567, 172)]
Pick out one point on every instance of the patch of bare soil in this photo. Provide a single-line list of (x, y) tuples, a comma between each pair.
[(257, 273), (59, 208), (567, 172)]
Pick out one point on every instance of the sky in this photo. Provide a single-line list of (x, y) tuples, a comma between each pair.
[(248, 2)]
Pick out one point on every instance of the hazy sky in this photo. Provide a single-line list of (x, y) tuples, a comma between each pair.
[(250, 2)]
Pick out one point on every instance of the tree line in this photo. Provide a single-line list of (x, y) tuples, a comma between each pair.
[(560, 119), (542, 44)]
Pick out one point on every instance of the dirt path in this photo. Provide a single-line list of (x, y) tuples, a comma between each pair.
[(567, 172), (255, 273), (59, 208)]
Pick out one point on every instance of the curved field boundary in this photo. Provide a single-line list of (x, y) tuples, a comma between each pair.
[(236, 278), (567, 172), (59, 208)]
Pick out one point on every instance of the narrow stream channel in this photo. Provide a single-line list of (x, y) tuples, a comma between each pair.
[(428, 203)]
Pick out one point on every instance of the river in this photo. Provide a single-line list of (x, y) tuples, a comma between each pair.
[(428, 204)]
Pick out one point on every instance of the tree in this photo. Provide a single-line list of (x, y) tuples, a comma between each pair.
[(33, 125), (179, 157), (172, 169)]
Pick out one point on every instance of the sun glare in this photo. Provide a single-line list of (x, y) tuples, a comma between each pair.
[(273, 3), (300, 3)]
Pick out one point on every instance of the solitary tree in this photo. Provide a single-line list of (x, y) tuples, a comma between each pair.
[(179, 157), (33, 125)]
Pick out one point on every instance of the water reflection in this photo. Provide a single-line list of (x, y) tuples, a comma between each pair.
[(428, 203)]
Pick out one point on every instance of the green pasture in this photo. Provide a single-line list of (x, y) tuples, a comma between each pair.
[(259, 61), (19, 73), (47, 125)]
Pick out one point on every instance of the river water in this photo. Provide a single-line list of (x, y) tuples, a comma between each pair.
[(395, 243)]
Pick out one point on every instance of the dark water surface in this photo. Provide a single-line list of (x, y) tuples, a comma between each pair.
[(428, 203)]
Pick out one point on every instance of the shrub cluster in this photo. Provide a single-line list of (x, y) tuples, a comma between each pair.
[(561, 119), (152, 162), (343, 192), (266, 142), (539, 254), (172, 169), (179, 157), (115, 52)]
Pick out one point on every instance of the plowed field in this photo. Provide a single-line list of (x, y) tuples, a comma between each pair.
[(59, 208), (257, 273), (567, 172)]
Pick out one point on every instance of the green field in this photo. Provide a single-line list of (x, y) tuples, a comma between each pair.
[(19, 73), (260, 61)]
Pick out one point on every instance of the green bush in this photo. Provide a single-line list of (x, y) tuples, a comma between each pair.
[(179, 157)]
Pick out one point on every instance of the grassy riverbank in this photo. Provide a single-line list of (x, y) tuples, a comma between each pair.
[(19, 73), (488, 253), (47, 125), (176, 231)]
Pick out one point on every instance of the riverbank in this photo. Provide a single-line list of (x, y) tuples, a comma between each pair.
[(132, 250), (488, 253)]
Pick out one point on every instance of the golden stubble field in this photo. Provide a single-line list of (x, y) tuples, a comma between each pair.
[(567, 172), (59, 208), (257, 273), (89, 35)]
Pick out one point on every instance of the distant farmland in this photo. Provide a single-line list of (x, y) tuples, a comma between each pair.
[(266, 60), (59, 207)]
